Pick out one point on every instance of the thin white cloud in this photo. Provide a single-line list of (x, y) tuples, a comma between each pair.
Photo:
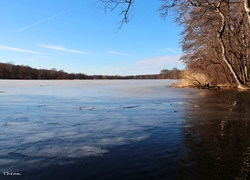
[(44, 20), (119, 53), (166, 49), (61, 48), (18, 50), (171, 50)]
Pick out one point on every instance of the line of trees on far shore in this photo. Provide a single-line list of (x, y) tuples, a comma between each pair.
[(11, 71)]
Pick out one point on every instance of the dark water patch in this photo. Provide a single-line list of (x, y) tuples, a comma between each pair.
[(41, 106), (17, 155), (129, 107), (53, 123), (217, 135)]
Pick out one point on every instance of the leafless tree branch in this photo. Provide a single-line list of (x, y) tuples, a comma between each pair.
[(125, 5)]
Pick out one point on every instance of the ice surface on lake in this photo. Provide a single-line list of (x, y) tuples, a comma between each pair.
[(46, 122)]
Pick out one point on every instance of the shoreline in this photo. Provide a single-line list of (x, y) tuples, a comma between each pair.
[(186, 83)]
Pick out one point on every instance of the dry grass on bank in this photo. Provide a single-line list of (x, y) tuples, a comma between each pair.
[(191, 79), (197, 80)]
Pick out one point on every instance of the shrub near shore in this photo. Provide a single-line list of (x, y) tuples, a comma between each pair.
[(199, 80)]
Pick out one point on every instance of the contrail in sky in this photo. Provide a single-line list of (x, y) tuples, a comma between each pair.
[(18, 49), (47, 19)]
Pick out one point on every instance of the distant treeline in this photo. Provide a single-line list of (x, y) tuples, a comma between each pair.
[(11, 71)]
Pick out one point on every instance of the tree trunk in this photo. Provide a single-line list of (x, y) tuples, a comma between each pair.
[(223, 52), (247, 8)]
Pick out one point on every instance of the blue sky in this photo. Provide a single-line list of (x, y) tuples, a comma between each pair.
[(78, 36)]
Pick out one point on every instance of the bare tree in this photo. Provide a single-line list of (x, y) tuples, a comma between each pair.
[(224, 54), (247, 9)]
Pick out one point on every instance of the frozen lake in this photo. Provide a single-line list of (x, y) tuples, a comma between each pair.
[(120, 129)]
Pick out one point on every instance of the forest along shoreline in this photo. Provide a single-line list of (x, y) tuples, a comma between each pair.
[(188, 77), (11, 71)]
